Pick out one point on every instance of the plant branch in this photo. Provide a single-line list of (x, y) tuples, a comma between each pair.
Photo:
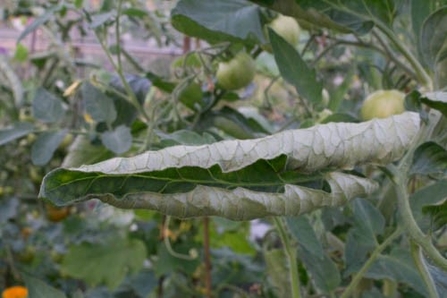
[(207, 255), (422, 75), (118, 67), (374, 255), (290, 252), (416, 253)]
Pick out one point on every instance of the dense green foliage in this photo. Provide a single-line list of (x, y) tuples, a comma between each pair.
[(345, 208)]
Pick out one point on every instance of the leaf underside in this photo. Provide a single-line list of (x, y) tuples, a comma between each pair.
[(281, 174)]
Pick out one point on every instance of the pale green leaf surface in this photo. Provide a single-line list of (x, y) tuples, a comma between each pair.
[(217, 21), (47, 107), (278, 271), (40, 289), (46, 144), (432, 38), (118, 140), (398, 266), (295, 70), (15, 131), (104, 263), (241, 179)]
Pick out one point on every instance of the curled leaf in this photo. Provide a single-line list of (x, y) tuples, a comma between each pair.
[(241, 179)]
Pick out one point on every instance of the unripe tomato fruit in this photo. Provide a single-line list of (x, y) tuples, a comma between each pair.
[(191, 96), (236, 73), (286, 27), (382, 104)]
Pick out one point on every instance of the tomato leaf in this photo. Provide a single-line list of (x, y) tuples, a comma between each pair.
[(241, 179), (436, 100), (97, 104), (15, 131), (46, 144), (295, 70), (106, 263), (430, 158), (118, 140), (397, 266), (47, 107), (432, 38), (40, 289), (218, 21)]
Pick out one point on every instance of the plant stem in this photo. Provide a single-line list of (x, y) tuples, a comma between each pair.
[(423, 270), (207, 255), (118, 67), (291, 257), (411, 227), (407, 221), (374, 255), (422, 75)]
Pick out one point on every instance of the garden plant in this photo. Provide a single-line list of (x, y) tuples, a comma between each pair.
[(289, 148)]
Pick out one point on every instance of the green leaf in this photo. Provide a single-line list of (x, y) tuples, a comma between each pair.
[(21, 53), (98, 105), (432, 38), (127, 112), (439, 276), (46, 144), (295, 70), (8, 209), (141, 284), (78, 3), (437, 213), (368, 222), (166, 263), (39, 21), (321, 268), (135, 12), (431, 195), (47, 107), (14, 132), (436, 100), (397, 266), (119, 140), (277, 271), (106, 263), (367, 217), (39, 289), (344, 15), (304, 233), (429, 158), (102, 19), (219, 21), (419, 10), (83, 152), (242, 179)]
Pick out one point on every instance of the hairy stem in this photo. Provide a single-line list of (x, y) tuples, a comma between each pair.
[(117, 65), (422, 75), (207, 256), (416, 253), (374, 255), (290, 252)]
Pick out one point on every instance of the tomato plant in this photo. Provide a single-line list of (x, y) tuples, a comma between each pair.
[(236, 73), (382, 104), (234, 162), (286, 27)]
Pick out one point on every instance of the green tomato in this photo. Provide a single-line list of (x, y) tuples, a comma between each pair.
[(192, 96), (236, 73), (287, 28), (383, 104)]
